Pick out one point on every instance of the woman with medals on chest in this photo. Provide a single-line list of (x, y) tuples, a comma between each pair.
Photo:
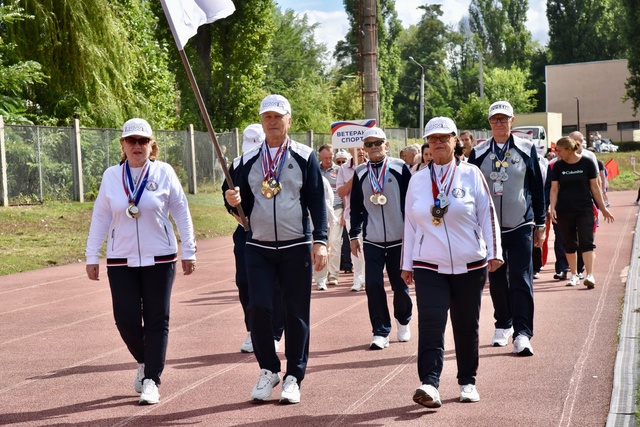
[(450, 243), (132, 210)]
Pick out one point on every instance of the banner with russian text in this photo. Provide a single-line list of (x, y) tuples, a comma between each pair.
[(348, 134)]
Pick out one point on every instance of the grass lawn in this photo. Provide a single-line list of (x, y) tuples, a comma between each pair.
[(55, 233)]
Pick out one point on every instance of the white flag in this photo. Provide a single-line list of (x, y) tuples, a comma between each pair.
[(185, 16)]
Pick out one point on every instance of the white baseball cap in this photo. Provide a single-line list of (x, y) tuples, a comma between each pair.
[(252, 136), (139, 127), (341, 154), (275, 103), (441, 125), (501, 107), (374, 131)]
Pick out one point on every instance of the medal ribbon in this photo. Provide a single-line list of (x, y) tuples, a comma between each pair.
[(500, 153), (377, 183), (271, 168), (442, 185), (134, 190)]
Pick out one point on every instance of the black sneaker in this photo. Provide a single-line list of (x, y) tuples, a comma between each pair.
[(560, 276)]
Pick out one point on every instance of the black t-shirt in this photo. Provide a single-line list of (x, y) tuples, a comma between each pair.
[(574, 193)]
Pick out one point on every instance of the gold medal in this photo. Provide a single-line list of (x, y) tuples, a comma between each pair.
[(266, 190), (505, 164), (373, 199), (382, 199)]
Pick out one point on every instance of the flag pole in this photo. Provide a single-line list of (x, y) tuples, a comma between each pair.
[(212, 134), (205, 115)]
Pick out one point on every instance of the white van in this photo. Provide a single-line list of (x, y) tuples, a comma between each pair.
[(537, 134)]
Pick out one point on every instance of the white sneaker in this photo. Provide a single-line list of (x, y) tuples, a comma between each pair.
[(137, 381), (332, 281), (404, 332), (469, 393), (574, 280), (357, 286), (322, 285), (264, 387), (290, 390), (427, 395), (590, 281), (150, 394), (247, 345), (501, 337), (379, 343), (522, 346)]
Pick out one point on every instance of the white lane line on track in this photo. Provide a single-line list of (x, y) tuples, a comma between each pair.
[(411, 360), (100, 356), (585, 351), (249, 358), (38, 285)]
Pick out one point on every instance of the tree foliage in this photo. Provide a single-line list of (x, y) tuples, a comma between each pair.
[(500, 84), (631, 37), (426, 43), (16, 79), (584, 30), (348, 52), (502, 35), (87, 51)]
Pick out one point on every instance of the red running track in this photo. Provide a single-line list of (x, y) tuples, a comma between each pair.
[(62, 362)]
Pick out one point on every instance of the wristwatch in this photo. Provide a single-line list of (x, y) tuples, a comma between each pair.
[(541, 227)]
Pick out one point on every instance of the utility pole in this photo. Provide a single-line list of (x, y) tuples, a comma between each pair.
[(370, 61)]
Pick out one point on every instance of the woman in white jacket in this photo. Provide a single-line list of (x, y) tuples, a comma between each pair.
[(132, 210), (451, 238)]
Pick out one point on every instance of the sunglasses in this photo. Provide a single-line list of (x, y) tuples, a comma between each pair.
[(432, 139), (132, 140), (377, 143)]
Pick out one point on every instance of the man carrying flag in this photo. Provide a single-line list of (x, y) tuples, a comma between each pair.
[(280, 187)]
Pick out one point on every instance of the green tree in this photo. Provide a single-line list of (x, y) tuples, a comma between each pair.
[(500, 28), (584, 30), (427, 44), (347, 100), (464, 59), (16, 79), (294, 52), (87, 51), (500, 84), (231, 53), (631, 37), (348, 52)]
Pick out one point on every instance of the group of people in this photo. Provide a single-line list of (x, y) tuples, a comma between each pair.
[(461, 215)]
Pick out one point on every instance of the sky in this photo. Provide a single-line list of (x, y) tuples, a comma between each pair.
[(333, 22)]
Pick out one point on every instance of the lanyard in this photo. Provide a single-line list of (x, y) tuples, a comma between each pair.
[(377, 183), (442, 186), (271, 168), (134, 190), (499, 155)]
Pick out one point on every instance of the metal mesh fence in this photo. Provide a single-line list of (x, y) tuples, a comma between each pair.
[(40, 160)]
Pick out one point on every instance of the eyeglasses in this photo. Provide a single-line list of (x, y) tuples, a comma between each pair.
[(494, 120), (377, 143), (132, 140), (432, 139)]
